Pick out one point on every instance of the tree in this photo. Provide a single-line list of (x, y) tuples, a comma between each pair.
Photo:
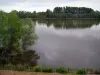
[(15, 34), (49, 13)]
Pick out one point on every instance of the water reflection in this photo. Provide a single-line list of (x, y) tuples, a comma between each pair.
[(69, 23), (74, 47)]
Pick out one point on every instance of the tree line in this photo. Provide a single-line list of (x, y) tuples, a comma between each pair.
[(62, 12)]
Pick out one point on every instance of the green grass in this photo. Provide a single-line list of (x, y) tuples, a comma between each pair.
[(74, 73)]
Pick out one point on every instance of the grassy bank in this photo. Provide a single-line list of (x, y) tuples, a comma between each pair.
[(48, 70), (11, 72)]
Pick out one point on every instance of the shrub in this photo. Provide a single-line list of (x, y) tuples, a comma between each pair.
[(9, 67), (47, 69), (82, 71), (37, 69), (20, 68), (29, 69), (61, 70)]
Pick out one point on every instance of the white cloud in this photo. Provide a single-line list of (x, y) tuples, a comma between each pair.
[(42, 5)]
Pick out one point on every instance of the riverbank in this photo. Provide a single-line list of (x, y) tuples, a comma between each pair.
[(11, 72), (66, 18), (38, 70)]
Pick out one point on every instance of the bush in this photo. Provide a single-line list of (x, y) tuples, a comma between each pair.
[(20, 68), (61, 70), (29, 69), (9, 67), (37, 69), (47, 69), (82, 71), (17, 67)]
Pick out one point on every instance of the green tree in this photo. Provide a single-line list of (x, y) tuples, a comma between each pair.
[(49, 13), (15, 35)]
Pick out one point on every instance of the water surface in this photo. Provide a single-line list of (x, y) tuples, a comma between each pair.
[(74, 44)]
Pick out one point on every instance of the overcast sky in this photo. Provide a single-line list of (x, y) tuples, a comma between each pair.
[(42, 5)]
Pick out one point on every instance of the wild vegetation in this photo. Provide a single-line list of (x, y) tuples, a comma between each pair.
[(62, 13), (60, 70), (15, 35)]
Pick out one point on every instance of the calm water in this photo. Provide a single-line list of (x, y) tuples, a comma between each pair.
[(68, 43)]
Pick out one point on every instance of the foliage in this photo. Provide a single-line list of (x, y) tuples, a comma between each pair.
[(27, 57), (62, 12), (15, 36), (37, 69), (47, 69), (18, 67), (61, 70), (82, 71), (9, 66)]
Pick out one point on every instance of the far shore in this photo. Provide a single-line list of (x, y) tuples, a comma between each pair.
[(69, 18)]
